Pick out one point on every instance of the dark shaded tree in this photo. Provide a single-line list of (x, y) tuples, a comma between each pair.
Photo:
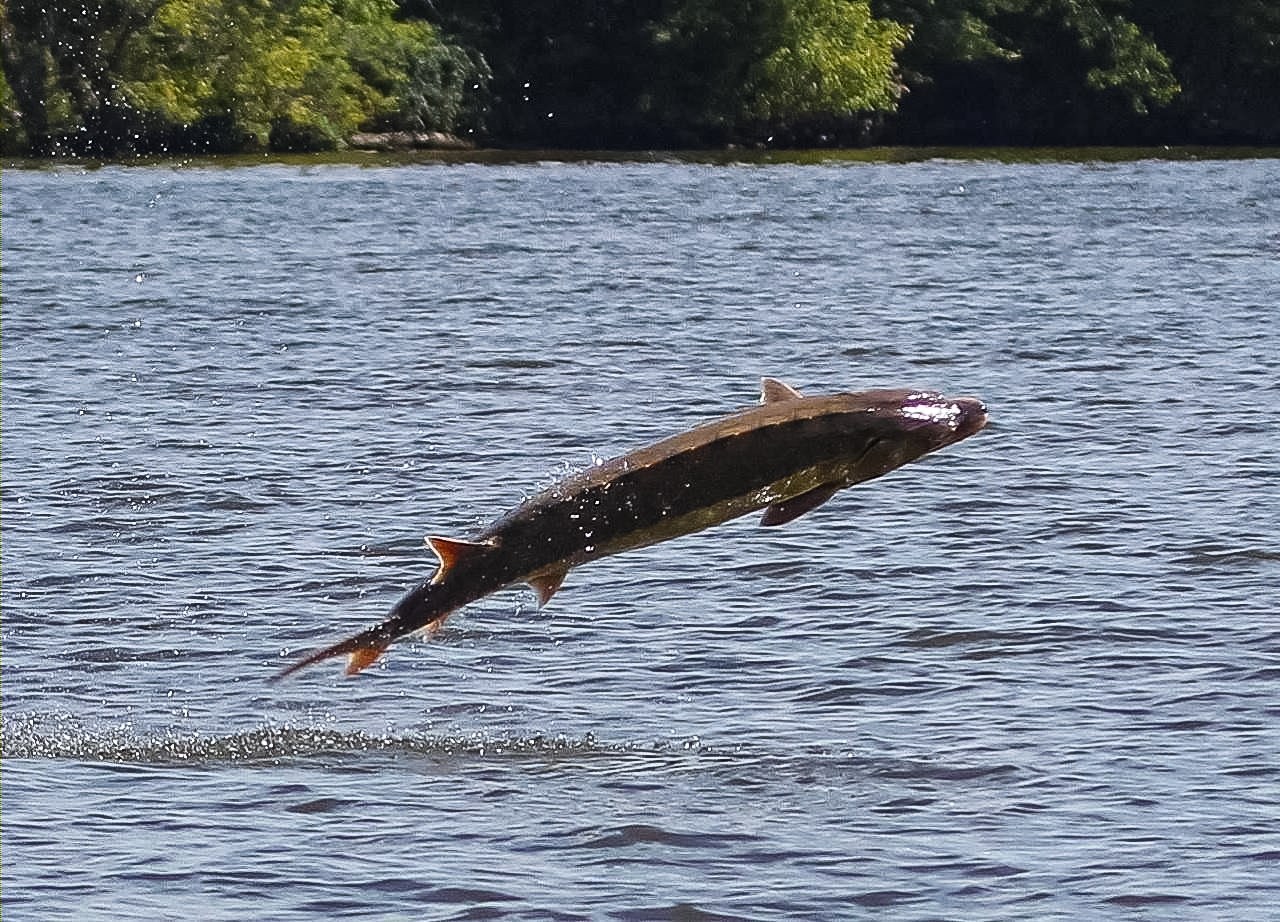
[(1226, 56), (564, 73), (1028, 72), (612, 73), (71, 52)]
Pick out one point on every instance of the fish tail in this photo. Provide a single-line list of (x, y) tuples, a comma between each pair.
[(422, 610), (362, 650)]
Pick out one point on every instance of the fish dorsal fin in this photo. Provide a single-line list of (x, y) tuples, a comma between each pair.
[(772, 390), (451, 550), (546, 584), (783, 512)]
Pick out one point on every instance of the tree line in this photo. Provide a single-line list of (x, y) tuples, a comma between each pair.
[(115, 77)]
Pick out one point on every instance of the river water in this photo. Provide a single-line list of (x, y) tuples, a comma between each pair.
[(1031, 677)]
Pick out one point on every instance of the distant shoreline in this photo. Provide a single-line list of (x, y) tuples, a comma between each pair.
[(391, 154)]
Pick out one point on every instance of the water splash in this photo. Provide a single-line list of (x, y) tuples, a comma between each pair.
[(42, 736)]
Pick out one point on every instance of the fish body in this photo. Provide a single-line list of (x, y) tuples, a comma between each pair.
[(786, 456)]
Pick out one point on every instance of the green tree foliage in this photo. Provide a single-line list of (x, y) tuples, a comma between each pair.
[(281, 68), (112, 76), (831, 58), (107, 76)]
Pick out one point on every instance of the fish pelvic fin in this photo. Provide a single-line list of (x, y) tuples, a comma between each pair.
[(781, 513), (451, 550), (546, 584), (772, 390)]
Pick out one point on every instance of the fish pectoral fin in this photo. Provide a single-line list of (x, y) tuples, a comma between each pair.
[(772, 390), (781, 513), (546, 584), (451, 550)]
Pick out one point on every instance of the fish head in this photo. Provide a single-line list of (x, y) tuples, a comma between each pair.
[(941, 420), (908, 424)]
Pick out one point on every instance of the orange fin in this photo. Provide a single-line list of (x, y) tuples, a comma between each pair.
[(360, 651), (783, 512), (431, 628), (361, 657), (772, 390), (451, 550), (546, 584)]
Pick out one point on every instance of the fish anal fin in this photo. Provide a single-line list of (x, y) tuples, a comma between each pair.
[(362, 657), (781, 513), (772, 390), (546, 584), (452, 550), (431, 628)]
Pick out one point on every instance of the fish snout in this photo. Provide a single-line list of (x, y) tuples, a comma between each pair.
[(973, 416)]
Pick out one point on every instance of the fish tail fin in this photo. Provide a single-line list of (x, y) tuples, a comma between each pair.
[(422, 610), (361, 651), (361, 657)]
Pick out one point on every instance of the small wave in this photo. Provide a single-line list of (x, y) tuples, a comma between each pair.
[(1216, 555), (1135, 900), (115, 654), (941, 771), (647, 834), (323, 805), (685, 912), (230, 501), (926, 638), (881, 898), (514, 363)]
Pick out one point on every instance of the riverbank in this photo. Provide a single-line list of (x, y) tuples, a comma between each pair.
[(390, 156)]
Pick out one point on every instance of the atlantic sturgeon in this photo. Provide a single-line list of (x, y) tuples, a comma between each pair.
[(786, 456)]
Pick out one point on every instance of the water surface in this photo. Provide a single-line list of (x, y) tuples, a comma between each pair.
[(1031, 677)]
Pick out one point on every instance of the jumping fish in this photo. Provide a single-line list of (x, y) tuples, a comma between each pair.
[(787, 456)]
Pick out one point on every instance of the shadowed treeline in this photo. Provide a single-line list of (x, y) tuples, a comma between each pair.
[(116, 77)]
